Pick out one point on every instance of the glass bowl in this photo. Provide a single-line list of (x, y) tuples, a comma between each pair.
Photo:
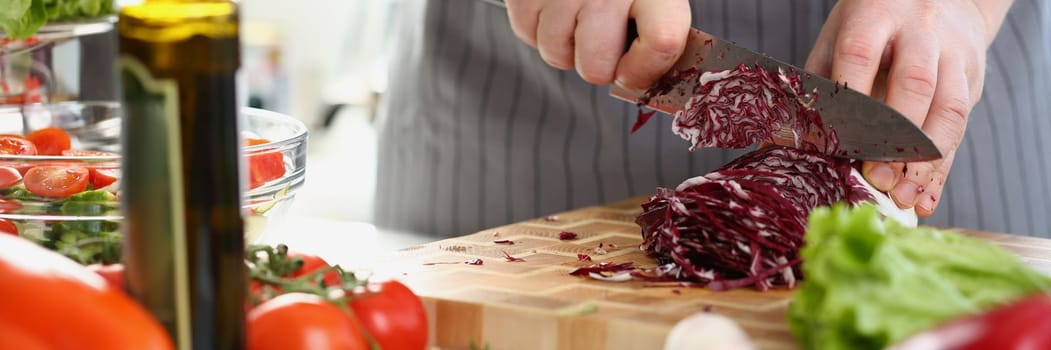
[(84, 225)]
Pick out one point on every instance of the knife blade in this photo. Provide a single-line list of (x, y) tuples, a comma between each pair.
[(866, 128)]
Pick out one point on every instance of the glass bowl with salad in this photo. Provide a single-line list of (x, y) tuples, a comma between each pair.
[(60, 174)]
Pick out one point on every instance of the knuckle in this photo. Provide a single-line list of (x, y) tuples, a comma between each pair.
[(927, 10), (956, 108), (665, 44), (918, 80), (857, 51)]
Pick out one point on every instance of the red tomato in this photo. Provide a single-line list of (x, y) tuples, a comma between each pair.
[(393, 315), (9, 176), (7, 206), (103, 177), (8, 227), (1025, 324), (303, 321), (313, 263), (113, 273), (16, 145), (50, 141), (56, 181), (54, 291), (100, 176), (264, 167)]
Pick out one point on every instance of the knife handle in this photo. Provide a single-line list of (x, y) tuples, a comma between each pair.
[(632, 34)]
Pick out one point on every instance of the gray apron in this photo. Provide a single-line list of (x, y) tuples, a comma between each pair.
[(477, 131)]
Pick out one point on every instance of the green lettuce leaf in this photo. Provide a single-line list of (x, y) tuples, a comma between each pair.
[(870, 282), (20, 19)]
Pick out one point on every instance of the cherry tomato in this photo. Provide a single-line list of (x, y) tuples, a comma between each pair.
[(303, 321), (393, 315), (113, 273), (264, 167), (50, 141), (9, 176), (56, 181), (100, 176), (313, 263), (54, 291), (8, 227), (7, 206), (17, 145)]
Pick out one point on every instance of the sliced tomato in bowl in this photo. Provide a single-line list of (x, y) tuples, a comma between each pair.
[(102, 177), (17, 145), (264, 167), (56, 181), (99, 176), (8, 227), (9, 176), (50, 141)]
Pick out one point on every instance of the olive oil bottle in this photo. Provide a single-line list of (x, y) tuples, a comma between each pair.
[(181, 187)]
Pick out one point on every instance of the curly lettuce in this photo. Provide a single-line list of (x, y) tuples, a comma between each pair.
[(872, 282), (21, 19)]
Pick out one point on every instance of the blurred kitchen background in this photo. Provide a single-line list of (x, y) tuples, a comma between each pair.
[(324, 62), (320, 61)]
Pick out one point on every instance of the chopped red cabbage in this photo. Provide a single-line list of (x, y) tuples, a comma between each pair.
[(743, 224), (566, 235), (510, 258)]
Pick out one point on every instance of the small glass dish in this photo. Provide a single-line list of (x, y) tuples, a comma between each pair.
[(85, 225)]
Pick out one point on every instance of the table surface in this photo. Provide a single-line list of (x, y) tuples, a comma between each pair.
[(536, 304)]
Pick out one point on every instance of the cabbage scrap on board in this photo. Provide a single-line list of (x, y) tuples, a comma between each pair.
[(20, 19), (871, 283)]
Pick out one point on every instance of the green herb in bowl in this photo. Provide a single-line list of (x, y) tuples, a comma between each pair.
[(20, 19)]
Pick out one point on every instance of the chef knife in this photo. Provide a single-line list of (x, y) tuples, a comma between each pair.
[(866, 128)]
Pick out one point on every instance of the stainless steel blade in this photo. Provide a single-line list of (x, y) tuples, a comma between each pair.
[(866, 128)]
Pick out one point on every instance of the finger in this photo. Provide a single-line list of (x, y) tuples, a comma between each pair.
[(599, 45), (663, 28), (946, 124), (929, 200), (882, 175), (819, 61), (524, 16), (913, 75), (857, 50), (554, 32)]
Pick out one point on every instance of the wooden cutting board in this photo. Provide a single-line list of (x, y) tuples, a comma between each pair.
[(536, 304)]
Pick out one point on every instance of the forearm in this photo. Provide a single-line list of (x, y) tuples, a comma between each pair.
[(993, 11)]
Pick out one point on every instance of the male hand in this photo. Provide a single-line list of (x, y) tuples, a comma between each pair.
[(926, 59), (589, 36)]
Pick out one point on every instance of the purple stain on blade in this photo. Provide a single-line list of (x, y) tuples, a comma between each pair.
[(474, 262)]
